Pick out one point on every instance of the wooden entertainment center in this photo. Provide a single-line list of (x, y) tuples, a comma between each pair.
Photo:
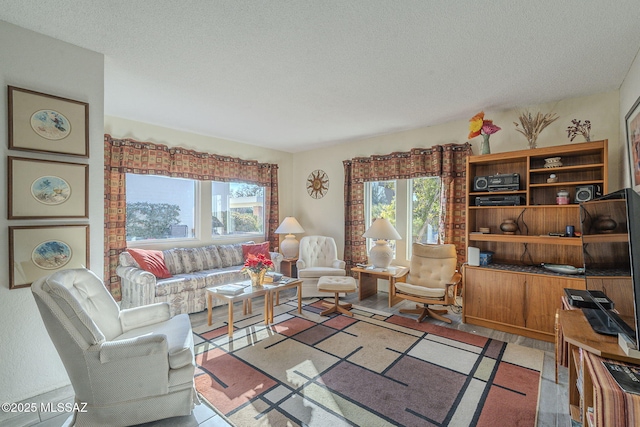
[(515, 293)]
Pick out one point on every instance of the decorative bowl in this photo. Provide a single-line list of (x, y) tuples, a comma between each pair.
[(563, 269), (552, 162)]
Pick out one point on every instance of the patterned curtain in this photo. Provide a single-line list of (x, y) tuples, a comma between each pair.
[(449, 162), (122, 156)]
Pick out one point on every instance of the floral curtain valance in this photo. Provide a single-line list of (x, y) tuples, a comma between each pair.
[(418, 162), (130, 156), (445, 161), (124, 156)]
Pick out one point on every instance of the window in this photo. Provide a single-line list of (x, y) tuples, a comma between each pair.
[(425, 209), (412, 206), (237, 208), (159, 207), (380, 203)]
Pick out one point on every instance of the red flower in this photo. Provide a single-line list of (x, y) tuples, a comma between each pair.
[(257, 263)]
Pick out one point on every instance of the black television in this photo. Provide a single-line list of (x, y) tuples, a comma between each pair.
[(611, 249)]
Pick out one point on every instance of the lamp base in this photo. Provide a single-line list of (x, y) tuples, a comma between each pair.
[(289, 247), (381, 254)]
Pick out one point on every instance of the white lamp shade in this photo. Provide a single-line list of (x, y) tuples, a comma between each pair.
[(290, 225), (381, 254), (290, 246), (381, 229)]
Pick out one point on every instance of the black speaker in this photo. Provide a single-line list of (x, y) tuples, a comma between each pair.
[(481, 183), (584, 193)]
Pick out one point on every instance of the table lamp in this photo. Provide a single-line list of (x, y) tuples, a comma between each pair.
[(289, 246), (381, 254)]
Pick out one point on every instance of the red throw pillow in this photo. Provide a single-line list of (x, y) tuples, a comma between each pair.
[(256, 249), (151, 261)]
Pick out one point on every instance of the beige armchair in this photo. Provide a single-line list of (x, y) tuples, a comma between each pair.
[(318, 257), (129, 366), (432, 279)]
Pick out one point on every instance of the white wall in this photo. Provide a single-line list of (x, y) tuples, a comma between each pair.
[(29, 363), (122, 128), (629, 93), (326, 216)]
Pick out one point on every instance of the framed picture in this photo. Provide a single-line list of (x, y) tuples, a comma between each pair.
[(37, 251), (47, 123), (632, 122), (47, 189)]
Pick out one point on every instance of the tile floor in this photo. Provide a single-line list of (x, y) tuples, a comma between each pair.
[(553, 397)]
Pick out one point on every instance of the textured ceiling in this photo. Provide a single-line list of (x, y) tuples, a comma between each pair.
[(294, 75)]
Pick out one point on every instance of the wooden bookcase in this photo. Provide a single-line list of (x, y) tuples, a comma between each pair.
[(590, 386), (515, 294)]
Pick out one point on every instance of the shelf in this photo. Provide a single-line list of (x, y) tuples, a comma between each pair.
[(570, 205), (568, 184), (518, 238), (593, 166), (539, 154), (487, 193), (606, 238)]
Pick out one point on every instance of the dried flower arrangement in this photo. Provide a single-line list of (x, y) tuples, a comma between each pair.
[(579, 128), (533, 125)]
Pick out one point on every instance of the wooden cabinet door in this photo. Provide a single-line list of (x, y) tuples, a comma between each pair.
[(495, 295), (544, 297)]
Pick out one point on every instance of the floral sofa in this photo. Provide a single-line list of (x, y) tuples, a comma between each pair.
[(192, 271)]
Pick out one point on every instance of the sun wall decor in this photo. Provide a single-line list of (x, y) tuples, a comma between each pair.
[(317, 184)]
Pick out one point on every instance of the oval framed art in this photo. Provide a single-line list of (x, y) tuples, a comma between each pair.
[(47, 123), (317, 184), (51, 255), (50, 190), (39, 250), (40, 189)]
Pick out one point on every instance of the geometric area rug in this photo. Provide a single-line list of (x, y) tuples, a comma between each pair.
[(373, 369)]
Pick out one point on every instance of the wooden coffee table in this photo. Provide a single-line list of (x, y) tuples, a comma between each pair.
[(274, 291), (245, 297), (271, 292)]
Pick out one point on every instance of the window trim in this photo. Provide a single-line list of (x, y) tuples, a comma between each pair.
[(204, 232), (404, 216)]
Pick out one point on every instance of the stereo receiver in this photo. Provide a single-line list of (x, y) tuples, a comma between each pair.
[(499, 201), (508, 181), (500, 182)]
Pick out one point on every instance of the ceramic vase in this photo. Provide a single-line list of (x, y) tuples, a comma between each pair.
[(509, 226), (257, 278), (484, 145)]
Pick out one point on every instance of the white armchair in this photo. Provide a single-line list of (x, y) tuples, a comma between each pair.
[(129, 366), (318, 257)]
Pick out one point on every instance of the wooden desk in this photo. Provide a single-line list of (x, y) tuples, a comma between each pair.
[(585, 350), (368, 282)]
